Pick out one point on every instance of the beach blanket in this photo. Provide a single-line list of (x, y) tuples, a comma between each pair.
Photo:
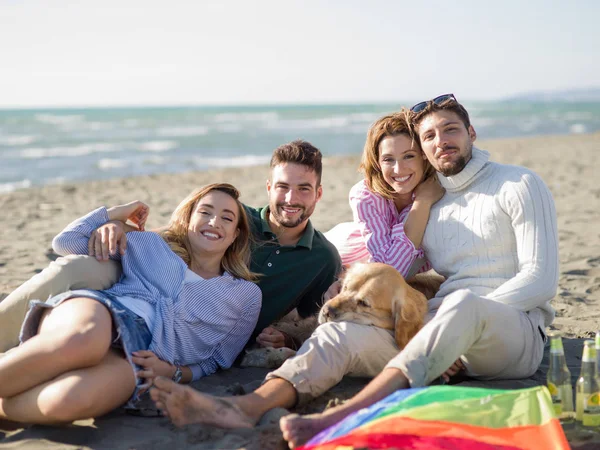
[(450, 417)]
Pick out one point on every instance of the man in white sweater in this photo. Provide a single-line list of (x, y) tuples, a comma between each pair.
[(493, 236)]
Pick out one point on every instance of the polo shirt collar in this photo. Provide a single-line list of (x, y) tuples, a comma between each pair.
[(305, 241)]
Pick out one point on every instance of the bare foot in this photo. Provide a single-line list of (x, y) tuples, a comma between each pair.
[(184, 405), (297, 430)]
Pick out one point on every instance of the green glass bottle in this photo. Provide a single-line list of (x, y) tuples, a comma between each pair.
[(598, 352), (558, 379), (588, 388)]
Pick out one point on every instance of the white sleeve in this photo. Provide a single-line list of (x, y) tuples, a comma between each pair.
[(530, 205)]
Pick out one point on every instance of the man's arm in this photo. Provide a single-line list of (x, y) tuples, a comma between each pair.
[(530, 205)]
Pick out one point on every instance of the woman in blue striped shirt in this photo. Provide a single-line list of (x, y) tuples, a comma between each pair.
[(185, 305)]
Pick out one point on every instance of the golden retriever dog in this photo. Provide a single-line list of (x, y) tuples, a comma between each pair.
[(377, 294), (371, 294)]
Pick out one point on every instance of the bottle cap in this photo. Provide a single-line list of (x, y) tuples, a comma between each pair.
[(589, 351), (556, 345)]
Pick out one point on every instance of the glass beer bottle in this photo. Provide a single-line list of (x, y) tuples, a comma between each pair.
[(588, 388), (559, 379)]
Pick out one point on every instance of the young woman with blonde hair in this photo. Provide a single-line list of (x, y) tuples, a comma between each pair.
[(390, 206), (185, 305)]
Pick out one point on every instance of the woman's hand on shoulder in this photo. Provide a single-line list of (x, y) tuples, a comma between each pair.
[(136, 212), (429, 191), (105, 240), (152, 367)]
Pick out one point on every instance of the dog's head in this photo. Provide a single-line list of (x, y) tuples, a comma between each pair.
[(376, 294)]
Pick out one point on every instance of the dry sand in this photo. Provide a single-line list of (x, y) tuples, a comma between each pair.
[(31, 218)]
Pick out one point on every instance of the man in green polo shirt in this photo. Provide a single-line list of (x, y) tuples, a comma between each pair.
[(297, 262)]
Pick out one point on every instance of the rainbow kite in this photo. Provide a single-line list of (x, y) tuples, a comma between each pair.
[(450, 417)]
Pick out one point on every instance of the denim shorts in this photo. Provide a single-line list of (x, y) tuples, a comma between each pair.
[(130, 332)]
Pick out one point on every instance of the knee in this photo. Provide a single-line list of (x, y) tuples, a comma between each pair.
[(331, 331), (461, 300), (61, 404)]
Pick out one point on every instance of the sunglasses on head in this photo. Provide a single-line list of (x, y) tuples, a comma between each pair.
[(438, 101)]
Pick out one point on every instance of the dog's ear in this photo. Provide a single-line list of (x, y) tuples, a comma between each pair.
[(409, 309)]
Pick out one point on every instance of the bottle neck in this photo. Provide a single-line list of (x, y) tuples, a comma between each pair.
[(588, 368)]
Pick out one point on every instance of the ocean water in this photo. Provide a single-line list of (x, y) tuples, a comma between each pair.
[(47, 146)]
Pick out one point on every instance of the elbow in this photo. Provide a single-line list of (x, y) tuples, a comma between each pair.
[(58, 245)]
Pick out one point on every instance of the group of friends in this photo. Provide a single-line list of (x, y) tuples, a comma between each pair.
[(131, 310)]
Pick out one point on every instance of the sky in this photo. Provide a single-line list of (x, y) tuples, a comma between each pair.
[(143, 52)]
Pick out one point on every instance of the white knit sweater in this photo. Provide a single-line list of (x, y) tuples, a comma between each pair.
[(494, 233)]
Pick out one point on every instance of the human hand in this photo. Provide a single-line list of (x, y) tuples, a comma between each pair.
[(429, 191), (453, 370), (333, 290), (136, 212), (152, 367), (272, 337), (105, 240)]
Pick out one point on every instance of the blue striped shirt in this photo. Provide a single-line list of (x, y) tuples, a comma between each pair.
[(202, 324)]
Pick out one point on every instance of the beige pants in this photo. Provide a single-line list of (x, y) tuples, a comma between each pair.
[(64, 274), (495, 341)]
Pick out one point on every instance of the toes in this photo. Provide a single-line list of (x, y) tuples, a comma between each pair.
[(284, 422), (164, 384)]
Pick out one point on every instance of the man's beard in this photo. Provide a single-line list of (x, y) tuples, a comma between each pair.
[(457, 166), (454, 168), (283, 221)]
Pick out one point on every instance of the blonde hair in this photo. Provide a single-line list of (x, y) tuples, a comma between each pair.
[(387, 126), (237, 256)]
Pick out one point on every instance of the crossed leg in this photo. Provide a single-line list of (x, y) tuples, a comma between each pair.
[(77, 394), (66, 371)]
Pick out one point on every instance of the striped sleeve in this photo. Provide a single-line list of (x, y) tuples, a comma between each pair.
[(73, 240), (227, 350), (386, 241)]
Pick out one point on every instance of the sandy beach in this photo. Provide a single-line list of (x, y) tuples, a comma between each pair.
[(31, 218)]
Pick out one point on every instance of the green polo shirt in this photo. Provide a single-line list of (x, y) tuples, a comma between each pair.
[(291, 276)]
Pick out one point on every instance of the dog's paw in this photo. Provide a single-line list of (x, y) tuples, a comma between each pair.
[(268, 358)]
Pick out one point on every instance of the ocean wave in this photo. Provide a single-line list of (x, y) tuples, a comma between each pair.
[(333, 122), (17, 140), (157, 146), (233, 161), (155, 160), (364, 117), (578, 128), (13, 186), (267, 116), (76, 150), (182, 131), (230, 128), (59, 119), (108, 164)]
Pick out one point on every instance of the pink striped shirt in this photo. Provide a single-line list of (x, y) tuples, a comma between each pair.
[(377, 233)]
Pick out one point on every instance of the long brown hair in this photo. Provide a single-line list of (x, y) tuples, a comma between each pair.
[(237, 256), (391, 125)]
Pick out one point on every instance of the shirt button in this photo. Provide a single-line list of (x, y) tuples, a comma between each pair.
[(277, 252), (269, 264)]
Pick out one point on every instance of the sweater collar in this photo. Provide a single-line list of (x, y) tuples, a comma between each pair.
[(466, 176)]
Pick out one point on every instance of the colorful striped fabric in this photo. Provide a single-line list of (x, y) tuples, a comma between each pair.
[(450, 417)]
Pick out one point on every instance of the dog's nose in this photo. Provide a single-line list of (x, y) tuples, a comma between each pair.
[(329, 311)]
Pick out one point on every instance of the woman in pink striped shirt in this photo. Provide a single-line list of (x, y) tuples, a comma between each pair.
[(391, 205)]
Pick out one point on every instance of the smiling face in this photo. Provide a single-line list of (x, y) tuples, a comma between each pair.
[(402, 164), (213, 224), (446, 141), (293, 194)]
